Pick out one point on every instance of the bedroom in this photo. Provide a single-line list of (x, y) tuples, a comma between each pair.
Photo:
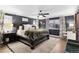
[(38, 28)]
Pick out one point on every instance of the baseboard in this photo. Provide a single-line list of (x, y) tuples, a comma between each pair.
[(54, 36)]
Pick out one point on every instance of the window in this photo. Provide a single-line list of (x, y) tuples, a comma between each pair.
[(7, 27), (54, 24), (69, 23)]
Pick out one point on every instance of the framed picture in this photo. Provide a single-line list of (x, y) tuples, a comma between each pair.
[(25, 19)]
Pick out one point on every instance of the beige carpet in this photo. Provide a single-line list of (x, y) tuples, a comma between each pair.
[(49, 46), (44, 47), (4, 49)]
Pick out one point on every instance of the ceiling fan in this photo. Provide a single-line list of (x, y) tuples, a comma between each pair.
[(41, 13)]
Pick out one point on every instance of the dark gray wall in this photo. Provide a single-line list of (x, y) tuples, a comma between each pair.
[(17, 21)]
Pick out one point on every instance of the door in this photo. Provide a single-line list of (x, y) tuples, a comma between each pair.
[(42, 23), (70, 27)]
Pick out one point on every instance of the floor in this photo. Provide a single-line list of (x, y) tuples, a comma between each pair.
[(53, 45)]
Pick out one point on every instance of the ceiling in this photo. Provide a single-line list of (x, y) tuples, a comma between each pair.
[(33, 10)]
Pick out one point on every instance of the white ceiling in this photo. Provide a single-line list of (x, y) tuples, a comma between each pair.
[(33, 10)]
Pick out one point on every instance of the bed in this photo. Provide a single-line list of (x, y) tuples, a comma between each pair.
[(33, 37)]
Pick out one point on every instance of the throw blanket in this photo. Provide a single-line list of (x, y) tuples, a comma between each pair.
[(35, 34)]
